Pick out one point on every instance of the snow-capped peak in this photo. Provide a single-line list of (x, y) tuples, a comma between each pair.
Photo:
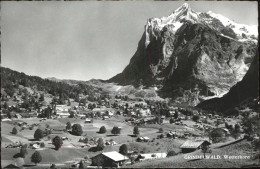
[(185, 6), (243, 32), (184, 13)]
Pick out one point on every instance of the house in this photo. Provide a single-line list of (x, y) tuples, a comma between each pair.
[(62, 108), (192, 145), (63, 115), (151, 156), (145, 112), (226, 131), (109, 159), (171, 134), (36, 146), (87, 120), (146, 139), (140, 139), (18, 116), (105, 117), (109, 113), (162, 117), (11, 166), (216, 116)]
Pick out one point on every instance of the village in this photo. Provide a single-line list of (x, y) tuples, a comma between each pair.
[(112, 131)]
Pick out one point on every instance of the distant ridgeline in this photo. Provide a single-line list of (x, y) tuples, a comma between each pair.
[(10, 81)]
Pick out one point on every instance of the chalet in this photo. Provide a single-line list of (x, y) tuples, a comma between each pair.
[(64, 138), (105, 117), (87, 120), (145, 112), (18, 116), (63, 114), (133, 114), (171, 134), (140, 139), (62, 108), (146, 139), (216, 116), (192, 145), (151, 156), (109, 113), (109, 159), (11, 166), (226, 131)]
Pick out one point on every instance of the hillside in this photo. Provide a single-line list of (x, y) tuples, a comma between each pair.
[(203, 54), (12, 82), (242, 148)]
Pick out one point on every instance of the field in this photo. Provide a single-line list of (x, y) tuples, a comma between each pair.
[(231, 149), (71, 149)]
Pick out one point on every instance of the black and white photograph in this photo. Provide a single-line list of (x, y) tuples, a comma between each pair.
[(129, 84)]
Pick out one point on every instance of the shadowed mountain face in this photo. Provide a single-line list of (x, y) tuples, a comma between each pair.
[(245, 89), (202, 54)]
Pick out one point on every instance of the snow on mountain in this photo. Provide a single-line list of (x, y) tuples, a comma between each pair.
[(185, 13), (250, 31)]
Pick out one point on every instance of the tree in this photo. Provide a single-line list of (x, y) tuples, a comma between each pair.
[(38, 134), (204, 149), (217, 135), (23, 150), (176, 115), (53, 166), (115, 130), (14, 131), (136, 131), (195, 118), (42, 145), (171, 120), (236, 132), (47, 112), (171, 153), (81, 165), (47, 125), (57, 142), (5, 105), (41, 98), (77, 130), (251, 125), (102, 130), (100, 144), (160, 130), (123, 149), (72, 114), (68, 126), (217, 123), (36, 157)]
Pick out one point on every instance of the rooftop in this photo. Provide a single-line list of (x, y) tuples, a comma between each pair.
[(115, 156), (193, 143)]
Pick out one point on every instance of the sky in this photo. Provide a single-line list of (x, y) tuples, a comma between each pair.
[(84, 40)]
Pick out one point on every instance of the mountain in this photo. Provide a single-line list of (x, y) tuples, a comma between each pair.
[(248, 88), (191, 56)]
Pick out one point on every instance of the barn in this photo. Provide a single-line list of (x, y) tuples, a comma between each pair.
[(109, 159), (192, 145)]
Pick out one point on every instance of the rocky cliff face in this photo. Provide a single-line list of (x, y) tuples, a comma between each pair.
[(248, 88), (200, 54)]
